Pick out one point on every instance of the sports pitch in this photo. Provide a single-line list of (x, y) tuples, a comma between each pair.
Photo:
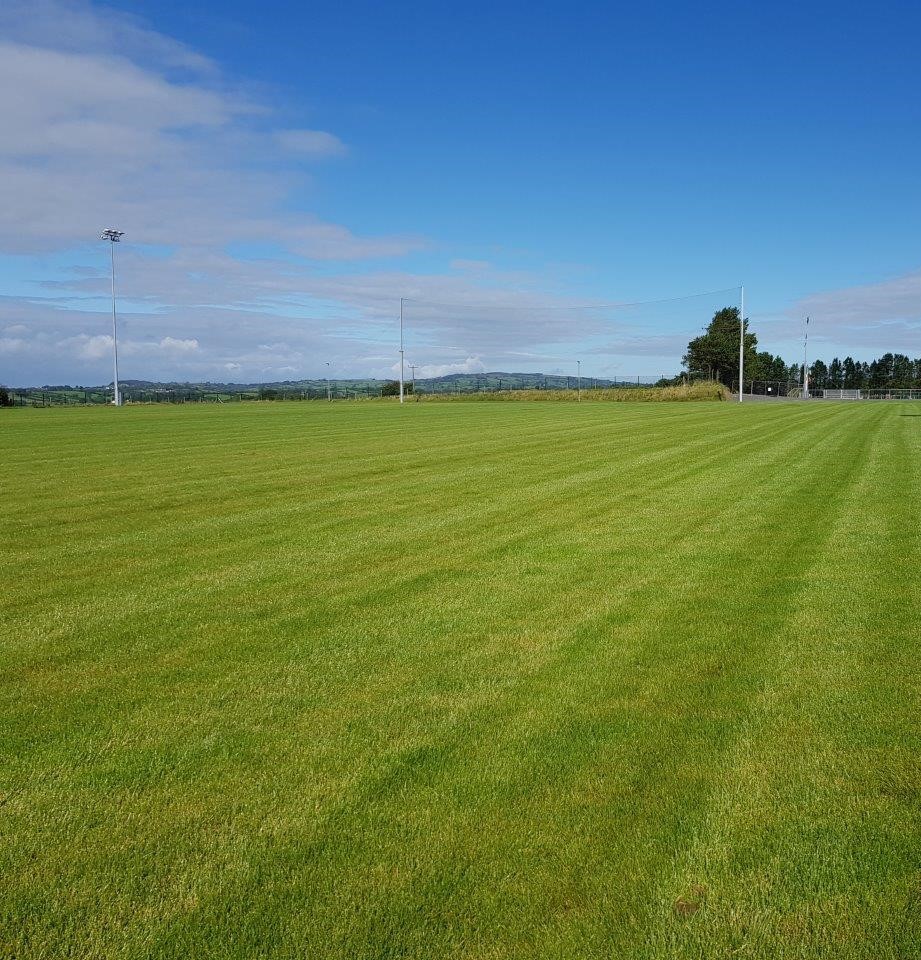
[(511, 680)]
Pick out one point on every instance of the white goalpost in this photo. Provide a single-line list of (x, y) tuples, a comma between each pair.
[(561, 339)]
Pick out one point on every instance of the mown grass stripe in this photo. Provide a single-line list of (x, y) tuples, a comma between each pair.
[(495, 680)]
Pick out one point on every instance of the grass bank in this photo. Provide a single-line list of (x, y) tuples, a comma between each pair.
[(695, 391)]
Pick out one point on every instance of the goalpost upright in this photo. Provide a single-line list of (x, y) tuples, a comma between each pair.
[(401, 349), (557, 326), (741, 338)]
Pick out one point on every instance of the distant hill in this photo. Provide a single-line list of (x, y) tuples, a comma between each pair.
[(462, 382)]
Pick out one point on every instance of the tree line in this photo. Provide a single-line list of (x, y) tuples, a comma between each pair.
[(715, 355), (890, 371)]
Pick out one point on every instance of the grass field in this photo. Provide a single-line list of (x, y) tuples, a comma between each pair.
[(459, 680)]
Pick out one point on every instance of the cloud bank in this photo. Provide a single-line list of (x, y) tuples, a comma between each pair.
[(117, 125), (222, 273)]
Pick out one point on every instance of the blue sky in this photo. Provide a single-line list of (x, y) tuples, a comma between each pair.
[(284, 173)]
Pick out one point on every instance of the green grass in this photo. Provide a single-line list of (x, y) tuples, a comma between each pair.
[(461, 681)]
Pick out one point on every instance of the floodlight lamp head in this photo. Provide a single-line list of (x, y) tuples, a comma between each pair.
[(113, 235)]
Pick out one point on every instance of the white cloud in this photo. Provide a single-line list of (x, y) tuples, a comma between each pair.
[(12, 345), (94, 136), (91, 347), (75, 26), (864, 321), (894, 300), (180, 346), (107, 123), (313, 143), (469, 365)]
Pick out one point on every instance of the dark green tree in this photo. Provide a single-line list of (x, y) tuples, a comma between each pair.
[(765, 366), (715, 353), (818, 376), (851, 374), (879, 372), (901, 371), (391, 388)]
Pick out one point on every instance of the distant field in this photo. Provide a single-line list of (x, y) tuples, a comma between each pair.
[(461, 680)]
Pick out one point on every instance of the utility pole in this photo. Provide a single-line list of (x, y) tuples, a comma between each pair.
[(114, 236), (401, 349)]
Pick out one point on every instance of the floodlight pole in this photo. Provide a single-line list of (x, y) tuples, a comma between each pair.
[(805, 368), (579, 378), (114, 236), (741, 340), (401, 349)]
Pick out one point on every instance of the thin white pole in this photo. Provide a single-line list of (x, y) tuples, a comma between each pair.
[(118, 398), (401, 349), (805, 368), (741, 339), (579, 377)]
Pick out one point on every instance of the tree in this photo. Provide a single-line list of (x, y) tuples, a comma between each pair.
[(901, 371), (851, 374), (818, 376), (716, 352), (764, 366), (6, 399), (391, 388), (760, 367), (891, 371)]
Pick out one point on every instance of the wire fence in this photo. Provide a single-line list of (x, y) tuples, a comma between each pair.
[(794, 389)]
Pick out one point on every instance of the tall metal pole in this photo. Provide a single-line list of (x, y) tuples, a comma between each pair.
[(113, 236), (118, 398), (329, 396), (579, 378), (401, 349), (805, 368), (741, 340)]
